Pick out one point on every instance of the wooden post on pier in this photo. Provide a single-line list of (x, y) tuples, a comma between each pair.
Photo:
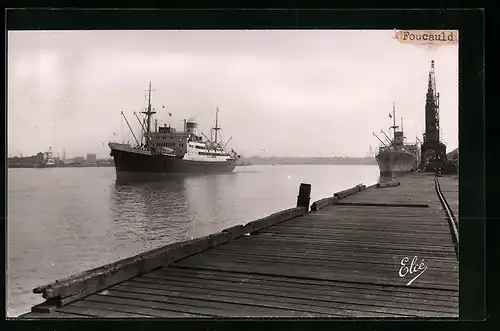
[(304, 196)]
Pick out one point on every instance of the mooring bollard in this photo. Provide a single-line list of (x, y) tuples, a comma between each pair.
[(304, 196)]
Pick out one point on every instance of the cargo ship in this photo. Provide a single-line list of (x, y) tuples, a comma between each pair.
[(166, 150), (394, 156)]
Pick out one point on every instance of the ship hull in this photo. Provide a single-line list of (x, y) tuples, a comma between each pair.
[(396, 162), (137, 165)]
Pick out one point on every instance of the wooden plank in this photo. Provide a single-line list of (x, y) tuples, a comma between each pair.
[(330, 297), (53, 315), (165, 303), (360, 232), (370, 261), (353, 190), (382, 274), (364, 221), (334, 293), (342, 246), (156, 309), (358, 225), (255, 226), (333, 303), (438, 234), (119, 310), (190, 274), (97, 311), (317, 205), (330, 255), (382, 204), (388, 184), (346, 211), (222, 296), (218, 294), (352, 243), (346, 244), (369, 240), (436, 282)]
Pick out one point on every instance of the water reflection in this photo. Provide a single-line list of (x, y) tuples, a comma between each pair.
[(147, 212), (209, 200), (173, 208)]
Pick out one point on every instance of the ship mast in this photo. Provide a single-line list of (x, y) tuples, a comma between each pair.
[(216, 123), (402, 130), (148, 113), (394, 126)]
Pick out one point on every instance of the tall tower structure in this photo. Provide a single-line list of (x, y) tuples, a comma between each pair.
[(433, 150), (432, 109)]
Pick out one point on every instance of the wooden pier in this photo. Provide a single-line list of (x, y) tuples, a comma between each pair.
[(382, 251)]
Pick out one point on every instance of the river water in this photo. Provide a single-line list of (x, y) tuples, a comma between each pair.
[(62, 221)]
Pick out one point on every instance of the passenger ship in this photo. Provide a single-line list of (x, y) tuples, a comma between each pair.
[(166, 150)]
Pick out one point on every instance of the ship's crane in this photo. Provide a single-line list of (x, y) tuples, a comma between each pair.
[(375, 137), (22, 157), (227, 142), (389, 139), (132, 131), (433, 150)]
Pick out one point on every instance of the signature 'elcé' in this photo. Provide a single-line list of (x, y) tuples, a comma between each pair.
[(413, 268)]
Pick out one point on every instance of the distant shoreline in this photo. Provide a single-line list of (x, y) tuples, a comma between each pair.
[(31, 166), (254, 160), (309, 161)]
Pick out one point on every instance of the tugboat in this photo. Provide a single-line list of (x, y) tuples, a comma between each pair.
[(167, 151), (396, 157)]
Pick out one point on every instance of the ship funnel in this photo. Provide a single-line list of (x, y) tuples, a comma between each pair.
[(192, 127)]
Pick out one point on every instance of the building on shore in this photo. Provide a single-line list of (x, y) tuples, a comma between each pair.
[(91, 157), (79, 159)]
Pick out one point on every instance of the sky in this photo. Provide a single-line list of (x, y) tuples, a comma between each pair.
[(305, 93)]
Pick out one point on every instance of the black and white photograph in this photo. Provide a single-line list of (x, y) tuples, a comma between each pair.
[(232, 173)]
